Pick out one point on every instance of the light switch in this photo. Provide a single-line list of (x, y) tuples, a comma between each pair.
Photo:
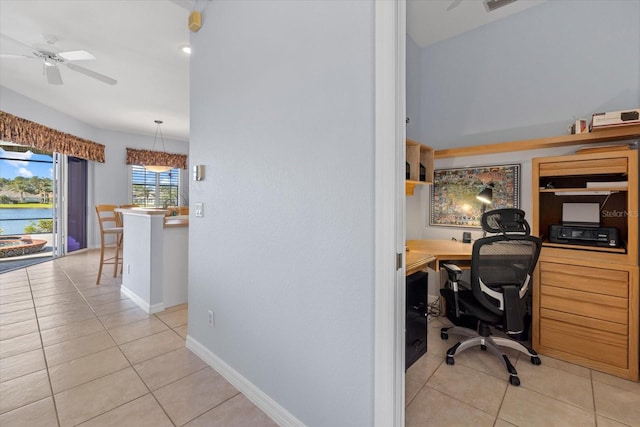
[(199, 209)]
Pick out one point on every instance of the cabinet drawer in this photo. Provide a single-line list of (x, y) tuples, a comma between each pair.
[(585, 167), (586, 279), (603, 307), (587, 322), (591, 292), (599, 346)]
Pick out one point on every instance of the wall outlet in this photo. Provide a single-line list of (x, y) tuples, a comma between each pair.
[(211, 319), (199, 209)]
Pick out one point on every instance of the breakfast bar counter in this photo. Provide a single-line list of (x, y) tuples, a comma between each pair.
[(155, 258)]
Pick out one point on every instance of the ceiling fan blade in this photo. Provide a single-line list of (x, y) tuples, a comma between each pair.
[(86, 72), (76, 55), (53, 74), (16, 42), (454, 4), (8, 56)]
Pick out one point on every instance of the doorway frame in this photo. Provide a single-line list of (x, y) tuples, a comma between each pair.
[(390, 222)]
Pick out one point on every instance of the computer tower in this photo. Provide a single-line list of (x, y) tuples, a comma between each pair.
[(416, 317)]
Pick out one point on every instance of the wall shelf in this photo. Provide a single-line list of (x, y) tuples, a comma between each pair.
[(418, 154), (605, 135)]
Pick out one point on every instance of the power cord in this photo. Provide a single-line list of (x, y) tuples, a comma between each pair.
[(433, 309)]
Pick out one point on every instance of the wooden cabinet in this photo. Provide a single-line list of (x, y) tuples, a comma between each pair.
[(419, 157), (586, 297)]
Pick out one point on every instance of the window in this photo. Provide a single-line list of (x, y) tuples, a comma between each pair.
[(150, 189)]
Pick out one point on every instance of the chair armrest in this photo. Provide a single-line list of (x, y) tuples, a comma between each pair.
[(513, 317), (453, 271)]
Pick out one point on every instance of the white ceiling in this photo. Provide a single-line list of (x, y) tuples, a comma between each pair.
[(137, 43)]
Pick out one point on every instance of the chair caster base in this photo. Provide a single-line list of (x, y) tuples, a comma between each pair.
[(514, 380)]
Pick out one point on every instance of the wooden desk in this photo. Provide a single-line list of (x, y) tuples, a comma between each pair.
[(439, 250), (430, 253), (417, 261)]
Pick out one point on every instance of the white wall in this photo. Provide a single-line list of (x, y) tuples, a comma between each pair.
[(107, 182), (282, 116)]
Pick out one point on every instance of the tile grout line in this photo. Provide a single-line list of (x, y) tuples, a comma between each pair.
[(593, 397), (44, 355), (211, 409)]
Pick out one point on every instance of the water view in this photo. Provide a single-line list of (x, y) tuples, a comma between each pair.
[(22, 220), (26, 190)]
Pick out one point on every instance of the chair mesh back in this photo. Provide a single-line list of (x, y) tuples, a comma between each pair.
[(502, 261), (506, 262)]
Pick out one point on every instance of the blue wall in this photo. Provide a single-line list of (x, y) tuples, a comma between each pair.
[(413, 79), (282, 115), (529, 75)]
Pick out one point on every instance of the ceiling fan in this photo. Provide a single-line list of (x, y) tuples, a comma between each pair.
[(454, 4), (51, 58), (490, 5)]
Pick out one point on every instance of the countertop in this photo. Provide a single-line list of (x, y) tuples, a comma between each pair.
[(169, 221)]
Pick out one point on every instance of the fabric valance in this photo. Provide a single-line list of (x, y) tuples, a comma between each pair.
[(148, 157), (25, 132)]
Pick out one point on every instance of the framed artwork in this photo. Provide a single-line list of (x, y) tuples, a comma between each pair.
[(454, 191)]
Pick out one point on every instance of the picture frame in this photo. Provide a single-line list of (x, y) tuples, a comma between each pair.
[(454, 191)]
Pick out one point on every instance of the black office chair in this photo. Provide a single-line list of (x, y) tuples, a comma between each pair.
[(501, 279)]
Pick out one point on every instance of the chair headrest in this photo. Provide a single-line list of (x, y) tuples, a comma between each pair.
[(505, 221)]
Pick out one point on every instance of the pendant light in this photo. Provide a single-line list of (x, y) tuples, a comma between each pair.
[(158, 168)]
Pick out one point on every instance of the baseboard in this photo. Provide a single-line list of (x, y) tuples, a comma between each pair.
[(278, 414), (155, 308)]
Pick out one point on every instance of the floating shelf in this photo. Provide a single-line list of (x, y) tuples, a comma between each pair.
[(605, 135)]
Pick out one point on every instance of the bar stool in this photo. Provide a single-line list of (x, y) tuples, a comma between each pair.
[(120, 223), (111, 232), (119, 220)]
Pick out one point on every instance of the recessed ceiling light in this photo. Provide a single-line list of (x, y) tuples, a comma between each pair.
[(186, 49)]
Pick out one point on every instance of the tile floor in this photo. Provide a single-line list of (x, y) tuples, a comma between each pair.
[(73, 353), (476, 391)]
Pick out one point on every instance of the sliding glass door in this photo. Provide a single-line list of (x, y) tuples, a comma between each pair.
[(43, 205), (26, 205)]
